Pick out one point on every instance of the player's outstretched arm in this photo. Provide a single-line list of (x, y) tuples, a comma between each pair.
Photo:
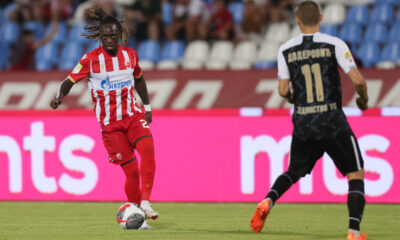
[(141, 88), (284, 90), (360, 85), (64, 90)]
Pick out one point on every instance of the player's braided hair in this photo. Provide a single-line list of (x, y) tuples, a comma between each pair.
[(98, 15)]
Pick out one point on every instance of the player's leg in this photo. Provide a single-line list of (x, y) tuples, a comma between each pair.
[(141, 139), (145, 147), (303, 156), (345, 152), (119, 151)]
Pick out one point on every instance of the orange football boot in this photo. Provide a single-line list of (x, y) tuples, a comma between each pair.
[(258, 219), (362, 236)]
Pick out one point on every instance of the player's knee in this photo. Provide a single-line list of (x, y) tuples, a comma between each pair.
[(293, 177), (145, 146)]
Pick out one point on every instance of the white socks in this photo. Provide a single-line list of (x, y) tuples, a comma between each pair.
[(356, 233)]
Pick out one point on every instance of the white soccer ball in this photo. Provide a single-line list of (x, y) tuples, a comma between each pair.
[(130, 216)]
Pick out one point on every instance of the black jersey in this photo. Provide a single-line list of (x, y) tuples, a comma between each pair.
[(311, 63)]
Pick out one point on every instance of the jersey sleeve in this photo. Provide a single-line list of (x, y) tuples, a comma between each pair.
[(81, 70), (344, 57), (137, 71), (283, 70)]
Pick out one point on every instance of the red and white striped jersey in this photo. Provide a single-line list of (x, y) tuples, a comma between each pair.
[(111, 82)]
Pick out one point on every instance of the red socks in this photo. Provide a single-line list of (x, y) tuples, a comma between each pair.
[(145, 147), (132, 188)]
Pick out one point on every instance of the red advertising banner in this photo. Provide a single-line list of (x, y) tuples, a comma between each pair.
[(215, 156), (183, 89)]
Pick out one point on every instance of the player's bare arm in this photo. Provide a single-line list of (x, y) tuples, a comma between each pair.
[(141, 88), (284, 90), (64, 90), (360, 85)]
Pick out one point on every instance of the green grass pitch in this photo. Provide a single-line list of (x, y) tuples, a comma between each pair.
[(97, 221)]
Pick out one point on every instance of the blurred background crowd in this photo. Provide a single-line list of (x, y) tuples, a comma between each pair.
[(240, 34)]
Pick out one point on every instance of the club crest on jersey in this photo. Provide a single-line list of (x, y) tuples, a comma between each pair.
[(128, 64), (107, 85)]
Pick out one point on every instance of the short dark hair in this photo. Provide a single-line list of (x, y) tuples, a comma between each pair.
[(98, 15), (308, 12)]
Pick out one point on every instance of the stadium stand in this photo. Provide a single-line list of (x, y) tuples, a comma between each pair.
[(330, 29), (266, 57), (236, 10), (368, 53), (244, 55), (220, 54), (358, 14), (390, 56), (70, 55), (334, 13), (171, 55), (355, 21), (278, 32), (196, 54)]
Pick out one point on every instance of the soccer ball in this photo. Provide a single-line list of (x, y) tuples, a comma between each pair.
[(130, 216)]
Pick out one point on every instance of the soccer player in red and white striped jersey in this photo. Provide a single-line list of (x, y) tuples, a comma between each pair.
[(113, 75)]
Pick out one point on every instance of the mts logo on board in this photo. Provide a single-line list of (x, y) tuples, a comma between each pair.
[(278, 150), (37, 144)]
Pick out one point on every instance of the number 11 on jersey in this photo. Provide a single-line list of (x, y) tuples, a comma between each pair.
[(308, 71)]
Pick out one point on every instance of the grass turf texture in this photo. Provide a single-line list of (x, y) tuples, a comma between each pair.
[(73, 220)]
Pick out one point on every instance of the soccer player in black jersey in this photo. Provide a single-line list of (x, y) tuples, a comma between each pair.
[(309, 63)]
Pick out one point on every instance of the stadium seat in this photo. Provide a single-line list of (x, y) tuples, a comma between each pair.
[(358, 2), (382, 13), (220, 55), (236, 9), (334, 13), (377, 32), (330, 29), (358, 14), (398, 18), (390, 56), (171, 54), (394, 34), (75, 34), (351, 32), (167, 9), (267, 56), (36, 28), (173, 50), (149, 51), (93, 44), (196, 54), (244, 55), (46, 56), (368, 53), (5, 53), (146, 65), (391, 2), (278, 32), (61, 34), (9, 32), (6, 11), (70, 55)]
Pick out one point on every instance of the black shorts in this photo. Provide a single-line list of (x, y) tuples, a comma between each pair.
[(343, 149)]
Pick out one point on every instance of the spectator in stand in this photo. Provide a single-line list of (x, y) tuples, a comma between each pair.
[(187, 16), (278, 10), (23, 50), (219, 25), (22, 13), (109, 6), (252, 25), (143, 18)]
